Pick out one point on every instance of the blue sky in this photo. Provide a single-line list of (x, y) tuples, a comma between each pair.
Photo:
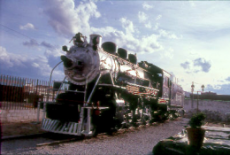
[(189, 39)]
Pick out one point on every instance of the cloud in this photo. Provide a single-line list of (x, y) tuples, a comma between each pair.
[(228, 78), (193, 53), (148, 25), (181, 80), (34, 43), (185, 65), (146, 6), (167, 34), (205, 65), (127, 40), (142, 17), (145, 44), (156, 26), (192, 4), (127, 25), (51, 53), (47, 45), (158, 17), (22, 65), (151, 43), (25, 66), (9, 60), (28, 26), (67, 19), (219, 89), (197, 65), (31, 43), (168, 53), (53, 56)]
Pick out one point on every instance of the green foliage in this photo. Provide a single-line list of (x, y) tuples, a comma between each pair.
[(197, 120)]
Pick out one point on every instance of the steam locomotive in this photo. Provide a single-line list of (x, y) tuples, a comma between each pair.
[(108, 89)]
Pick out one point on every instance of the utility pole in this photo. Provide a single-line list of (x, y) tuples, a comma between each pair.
[(192, 86), (197, 106)]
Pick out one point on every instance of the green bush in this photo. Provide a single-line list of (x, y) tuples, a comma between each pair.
[(197, 120)]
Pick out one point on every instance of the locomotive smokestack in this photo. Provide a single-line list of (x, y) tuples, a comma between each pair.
[(95, 39)]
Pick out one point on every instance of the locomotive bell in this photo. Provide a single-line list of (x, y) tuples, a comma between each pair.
[(79, 37)]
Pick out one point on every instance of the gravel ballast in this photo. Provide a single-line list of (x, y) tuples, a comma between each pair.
[(136, 141)]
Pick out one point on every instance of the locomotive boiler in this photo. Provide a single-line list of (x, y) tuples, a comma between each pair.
[(108, 89)]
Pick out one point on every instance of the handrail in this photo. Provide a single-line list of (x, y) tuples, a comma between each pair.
[(93, 88), (60, 88), (111, 78), (51, 78), (142, 86)]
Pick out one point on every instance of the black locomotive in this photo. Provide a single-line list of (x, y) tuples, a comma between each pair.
[(109, 89)]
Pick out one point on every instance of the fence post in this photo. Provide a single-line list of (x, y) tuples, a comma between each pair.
[(44, 110), (37, 87), (38, 112), (197, 103)]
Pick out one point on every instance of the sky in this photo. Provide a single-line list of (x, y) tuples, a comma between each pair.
[(189, 39)]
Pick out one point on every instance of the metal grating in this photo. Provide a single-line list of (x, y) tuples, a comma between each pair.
[(57, 126)]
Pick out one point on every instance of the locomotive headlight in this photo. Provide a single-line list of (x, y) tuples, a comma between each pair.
[(67, 62), (65, 48)]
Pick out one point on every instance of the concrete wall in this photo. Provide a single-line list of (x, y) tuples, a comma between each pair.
[(214, 110), (212, 97), (28, 115)]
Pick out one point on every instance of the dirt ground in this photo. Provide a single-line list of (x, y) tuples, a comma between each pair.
[(19, 129)]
